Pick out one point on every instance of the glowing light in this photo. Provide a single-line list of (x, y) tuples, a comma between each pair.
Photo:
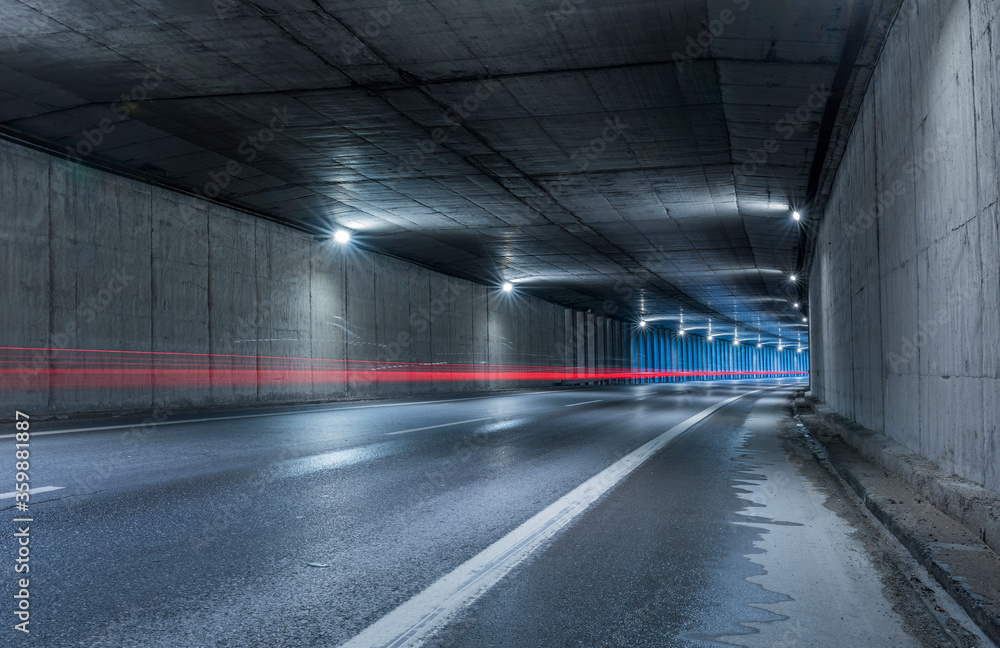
[(793, 278), (796, 215), (24, 369), (796, 304), (736, 342), (342, 236), (508, 286), (681, 332), (805, 319), (642, 323)]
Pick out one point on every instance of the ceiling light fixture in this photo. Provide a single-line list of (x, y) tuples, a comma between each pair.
[(642, 323), (508, 286), (796, 215), (793, 278), (342, 236)]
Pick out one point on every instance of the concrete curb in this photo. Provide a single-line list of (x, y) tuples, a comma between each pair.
[(955, 555), (970, 504)]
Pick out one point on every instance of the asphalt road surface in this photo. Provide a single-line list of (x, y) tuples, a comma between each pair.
[(641, 515)]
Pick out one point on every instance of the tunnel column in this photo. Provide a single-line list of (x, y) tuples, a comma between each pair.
[(661, 353), (674, 355)]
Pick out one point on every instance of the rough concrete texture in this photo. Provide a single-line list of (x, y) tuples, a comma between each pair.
[(97, 261), (971, 504), (904, 286), (955, 553), (92, 260)]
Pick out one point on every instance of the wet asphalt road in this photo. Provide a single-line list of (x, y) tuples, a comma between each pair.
[(305, 527)]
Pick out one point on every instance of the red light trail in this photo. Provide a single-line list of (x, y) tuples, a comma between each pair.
[(24, 368)]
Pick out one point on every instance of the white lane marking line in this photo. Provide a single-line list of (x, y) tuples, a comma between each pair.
[(246, 416), (599, 400), (441, 425), (414, 622), (34, 491)]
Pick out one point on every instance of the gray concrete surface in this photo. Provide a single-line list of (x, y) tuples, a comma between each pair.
[(905, 283), (976, 507), (957, 556), (98, 261)]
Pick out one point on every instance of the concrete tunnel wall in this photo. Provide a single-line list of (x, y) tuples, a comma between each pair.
[(97, 262), (93, 260), (904, 286)]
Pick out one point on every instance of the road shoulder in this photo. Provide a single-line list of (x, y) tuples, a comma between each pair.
[(964, 565)]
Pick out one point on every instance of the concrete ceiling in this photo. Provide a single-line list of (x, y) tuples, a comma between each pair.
[(343, 114)]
